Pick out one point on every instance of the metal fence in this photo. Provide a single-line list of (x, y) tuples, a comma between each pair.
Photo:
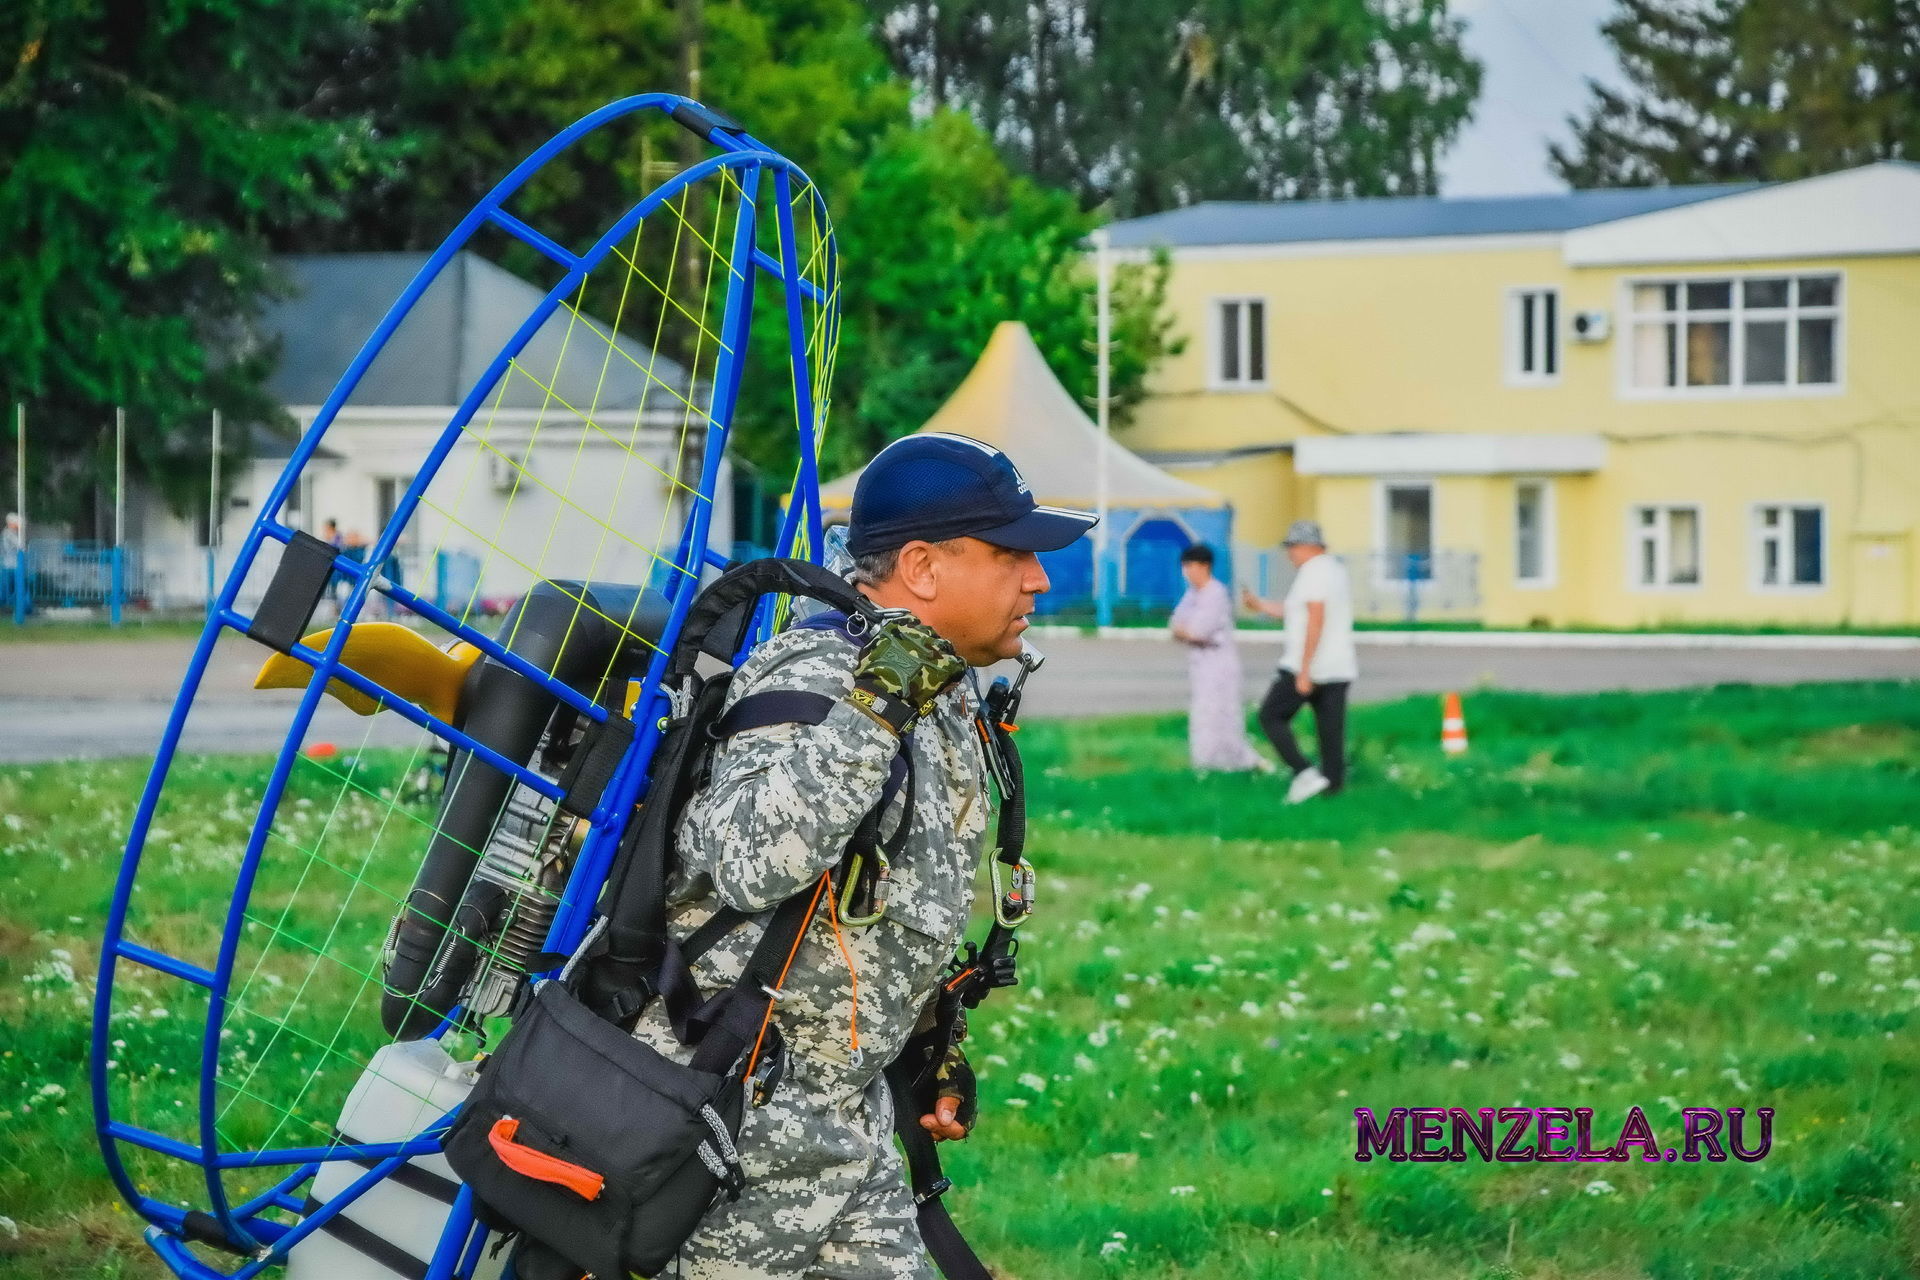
[(58, 578), (1439, 586), (55, 579), (51, 580)]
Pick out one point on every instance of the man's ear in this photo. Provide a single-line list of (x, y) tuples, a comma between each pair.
[(914, 570)]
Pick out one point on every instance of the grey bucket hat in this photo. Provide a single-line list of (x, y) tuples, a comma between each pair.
[(1304, 533)]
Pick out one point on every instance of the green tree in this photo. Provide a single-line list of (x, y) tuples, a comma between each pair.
[(1730, 90), (1160, 103), (944, 243), (938, 240), (144, 151)]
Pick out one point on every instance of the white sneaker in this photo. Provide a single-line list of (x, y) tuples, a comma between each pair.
[(1307, 784)]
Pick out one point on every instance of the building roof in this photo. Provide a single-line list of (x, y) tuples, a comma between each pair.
[(1297, 221), (453, 332), (1012, 401)]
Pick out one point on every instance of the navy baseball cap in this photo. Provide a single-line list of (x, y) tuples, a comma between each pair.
[(935, 485)]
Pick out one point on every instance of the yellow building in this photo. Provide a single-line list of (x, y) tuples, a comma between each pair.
[(1622, 408)]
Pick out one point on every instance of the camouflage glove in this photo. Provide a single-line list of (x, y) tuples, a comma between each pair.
[(903, 667), (953, 1078)]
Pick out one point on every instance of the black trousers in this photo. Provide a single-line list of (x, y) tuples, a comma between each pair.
[(1329, 702)]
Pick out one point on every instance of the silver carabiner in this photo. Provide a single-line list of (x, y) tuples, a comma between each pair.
[(1012, 906)]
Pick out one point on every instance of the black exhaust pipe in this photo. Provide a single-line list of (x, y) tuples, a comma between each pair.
[(580, 645)]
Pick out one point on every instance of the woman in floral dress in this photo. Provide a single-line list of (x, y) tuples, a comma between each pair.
[(1216, 718)]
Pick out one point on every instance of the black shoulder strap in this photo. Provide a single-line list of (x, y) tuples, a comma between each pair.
[(951, 1253), (747, 582), (633, 958)]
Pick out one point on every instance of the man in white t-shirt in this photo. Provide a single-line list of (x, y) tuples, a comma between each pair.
[(1317, 662)]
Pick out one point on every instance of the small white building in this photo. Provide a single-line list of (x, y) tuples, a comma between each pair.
[(578, 464)]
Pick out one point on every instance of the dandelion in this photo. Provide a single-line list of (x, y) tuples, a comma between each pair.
[(1599, 1187), (1181, 1191), (1250, 1008), (1123, 1001), (1326, 1191), (1826, 979), (1570, 1061)]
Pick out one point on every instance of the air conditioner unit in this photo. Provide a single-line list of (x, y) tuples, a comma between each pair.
[(504, 473), (1592, 326)]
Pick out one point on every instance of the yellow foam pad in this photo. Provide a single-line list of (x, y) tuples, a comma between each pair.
[(396, 658)]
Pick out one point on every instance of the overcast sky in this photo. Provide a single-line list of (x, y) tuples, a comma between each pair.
[(1538, 56)]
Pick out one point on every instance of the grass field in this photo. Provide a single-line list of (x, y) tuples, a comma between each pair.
[(1669, 900)]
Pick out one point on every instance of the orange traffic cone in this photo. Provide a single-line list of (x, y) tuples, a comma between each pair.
[(1453, 726)]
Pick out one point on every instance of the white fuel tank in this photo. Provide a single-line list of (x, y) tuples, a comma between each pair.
[(392, 1230)]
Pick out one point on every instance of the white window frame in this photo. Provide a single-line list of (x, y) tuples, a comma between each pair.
[(1381, 575), (1758, 545), (1549, 541), (1663, 554), (1624, 332), (411, 541), (1216, 327), (1545, 337)]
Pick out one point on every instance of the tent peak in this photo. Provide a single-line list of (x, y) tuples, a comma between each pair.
[(1013, 400)]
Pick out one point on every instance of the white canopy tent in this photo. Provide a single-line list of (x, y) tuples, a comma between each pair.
[(1013, 401)]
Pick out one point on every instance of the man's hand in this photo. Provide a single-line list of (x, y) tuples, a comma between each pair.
[(1250, 601), (956, 1101), (903, 667), (1304, 683), (944, 1124)]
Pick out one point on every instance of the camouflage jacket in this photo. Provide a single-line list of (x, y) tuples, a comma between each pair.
[(779, 808)]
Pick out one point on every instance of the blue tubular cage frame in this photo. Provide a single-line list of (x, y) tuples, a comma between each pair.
[(753, 165)]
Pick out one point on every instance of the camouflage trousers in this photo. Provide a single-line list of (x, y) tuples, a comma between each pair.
[(826, 1195)]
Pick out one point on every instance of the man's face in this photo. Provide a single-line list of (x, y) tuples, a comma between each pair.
[(1301, 552), (982, 596), (1195, 572)]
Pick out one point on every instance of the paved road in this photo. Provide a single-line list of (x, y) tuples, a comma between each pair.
[(1102, 677), (111, 698)]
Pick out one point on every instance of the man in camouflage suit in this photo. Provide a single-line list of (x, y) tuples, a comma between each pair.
[(944, 529)]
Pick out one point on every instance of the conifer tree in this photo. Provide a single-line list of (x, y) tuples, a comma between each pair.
[(1733, 90), (1152, 104)]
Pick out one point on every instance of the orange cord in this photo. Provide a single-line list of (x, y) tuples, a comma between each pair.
[(833, 918), (753, 1058)]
